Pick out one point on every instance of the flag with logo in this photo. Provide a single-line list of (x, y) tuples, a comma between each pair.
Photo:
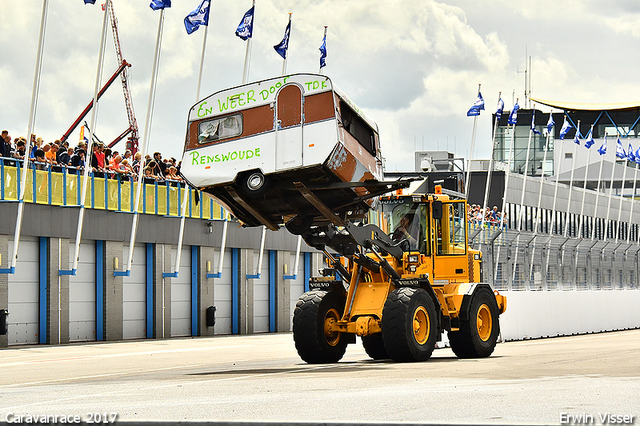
[(589, 143), (565, 128), (550, 123), (281, 48), (500, 109), (159, 4), (603, 148), (478, 105), (89, 1), (630, 155), (638, 155), (533, 123), (323, 52), (199, 16), (513, 116), (245, 29), (620, 150)]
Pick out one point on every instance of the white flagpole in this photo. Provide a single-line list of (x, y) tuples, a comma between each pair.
[(183, 210), (490, 171), (595, 214), (613, 170), (573, 163), (325, 39), (286, 53), (584, 188), (87, 157), (524, 176), (633, 202), (624, 178), (247, 54), (555, 191), (145, 139), (473, 141), (32, 114)]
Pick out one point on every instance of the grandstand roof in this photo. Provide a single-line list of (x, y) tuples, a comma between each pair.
[(574, 106)]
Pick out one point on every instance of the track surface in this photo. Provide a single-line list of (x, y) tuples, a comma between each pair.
[(261, 378)]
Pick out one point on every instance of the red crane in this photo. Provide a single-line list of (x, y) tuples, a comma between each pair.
[(123, 66)]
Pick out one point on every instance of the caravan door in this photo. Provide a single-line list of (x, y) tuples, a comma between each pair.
[(289, 113)]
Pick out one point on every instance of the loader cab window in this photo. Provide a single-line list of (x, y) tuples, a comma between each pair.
[(219, 128), (451, 230), (407, 221), (358, 128)]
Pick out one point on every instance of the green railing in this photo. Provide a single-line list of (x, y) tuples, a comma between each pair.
[(62, 187)]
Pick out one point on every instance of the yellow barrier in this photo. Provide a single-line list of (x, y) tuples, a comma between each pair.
[(64, 189)]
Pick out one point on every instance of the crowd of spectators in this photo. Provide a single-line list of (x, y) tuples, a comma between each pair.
[(60, 156), (492, 216)]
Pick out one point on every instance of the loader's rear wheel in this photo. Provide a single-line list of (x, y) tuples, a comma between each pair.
[(478, 335), (409, 325), (374, 346), (315, 313)]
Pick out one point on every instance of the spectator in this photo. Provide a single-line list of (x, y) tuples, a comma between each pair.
[(4, 139), (173, 174), (136, 162), (77, 161), (65, 156), (160, 164), (40, 160)]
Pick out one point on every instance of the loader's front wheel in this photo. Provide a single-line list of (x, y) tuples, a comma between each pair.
[(313, 318), (409, 325), (478, 335), (374, 346)]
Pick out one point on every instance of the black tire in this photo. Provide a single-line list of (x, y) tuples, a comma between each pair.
[(253, 183), (299, 225), (409, 325), (314, 310), (478, 335), (374, 346)]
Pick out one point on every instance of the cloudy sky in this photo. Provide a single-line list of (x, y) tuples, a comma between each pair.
[(414, 66)]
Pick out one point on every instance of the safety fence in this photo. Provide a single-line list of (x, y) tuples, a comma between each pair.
[(62, 186)]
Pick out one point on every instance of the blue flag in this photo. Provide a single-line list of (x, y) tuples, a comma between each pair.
[(282, 47), (478, 105), (630, 155), (638, 155), (159, 4), (533, 123), (245, 29), (499, 109), (576, 138), (603, 149), (620, 150), (565, 128), (199, 16), (513, 116), (589, 143), (89, 1), (323, 52), (550, 123)]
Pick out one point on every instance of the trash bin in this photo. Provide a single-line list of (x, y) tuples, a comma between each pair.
[(211, 316), (4, 322)]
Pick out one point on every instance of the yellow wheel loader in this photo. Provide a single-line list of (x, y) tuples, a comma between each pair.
[(398, 286)]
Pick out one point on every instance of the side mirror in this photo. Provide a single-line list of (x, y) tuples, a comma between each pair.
[(437, 209)]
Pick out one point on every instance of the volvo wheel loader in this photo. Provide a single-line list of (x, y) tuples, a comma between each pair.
[(398, 286)]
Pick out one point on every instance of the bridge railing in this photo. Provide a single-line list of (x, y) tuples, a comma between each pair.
[(62, 186)]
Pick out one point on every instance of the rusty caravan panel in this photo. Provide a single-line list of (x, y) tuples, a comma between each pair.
[(319, 107)]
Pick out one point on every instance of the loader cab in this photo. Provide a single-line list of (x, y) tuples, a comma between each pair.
[(435, 226)]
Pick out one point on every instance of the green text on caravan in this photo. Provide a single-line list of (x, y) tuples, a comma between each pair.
[(244, 154)]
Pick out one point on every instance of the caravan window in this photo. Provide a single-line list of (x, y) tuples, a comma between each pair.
[(358, 128), (219, 128)]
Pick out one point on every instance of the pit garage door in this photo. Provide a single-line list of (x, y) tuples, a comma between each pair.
[(222, 294), (181, 294), (82, 294), (24, 294), (134, 296), (261, 294)]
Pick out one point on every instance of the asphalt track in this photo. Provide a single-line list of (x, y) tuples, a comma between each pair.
[(261, 378)]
